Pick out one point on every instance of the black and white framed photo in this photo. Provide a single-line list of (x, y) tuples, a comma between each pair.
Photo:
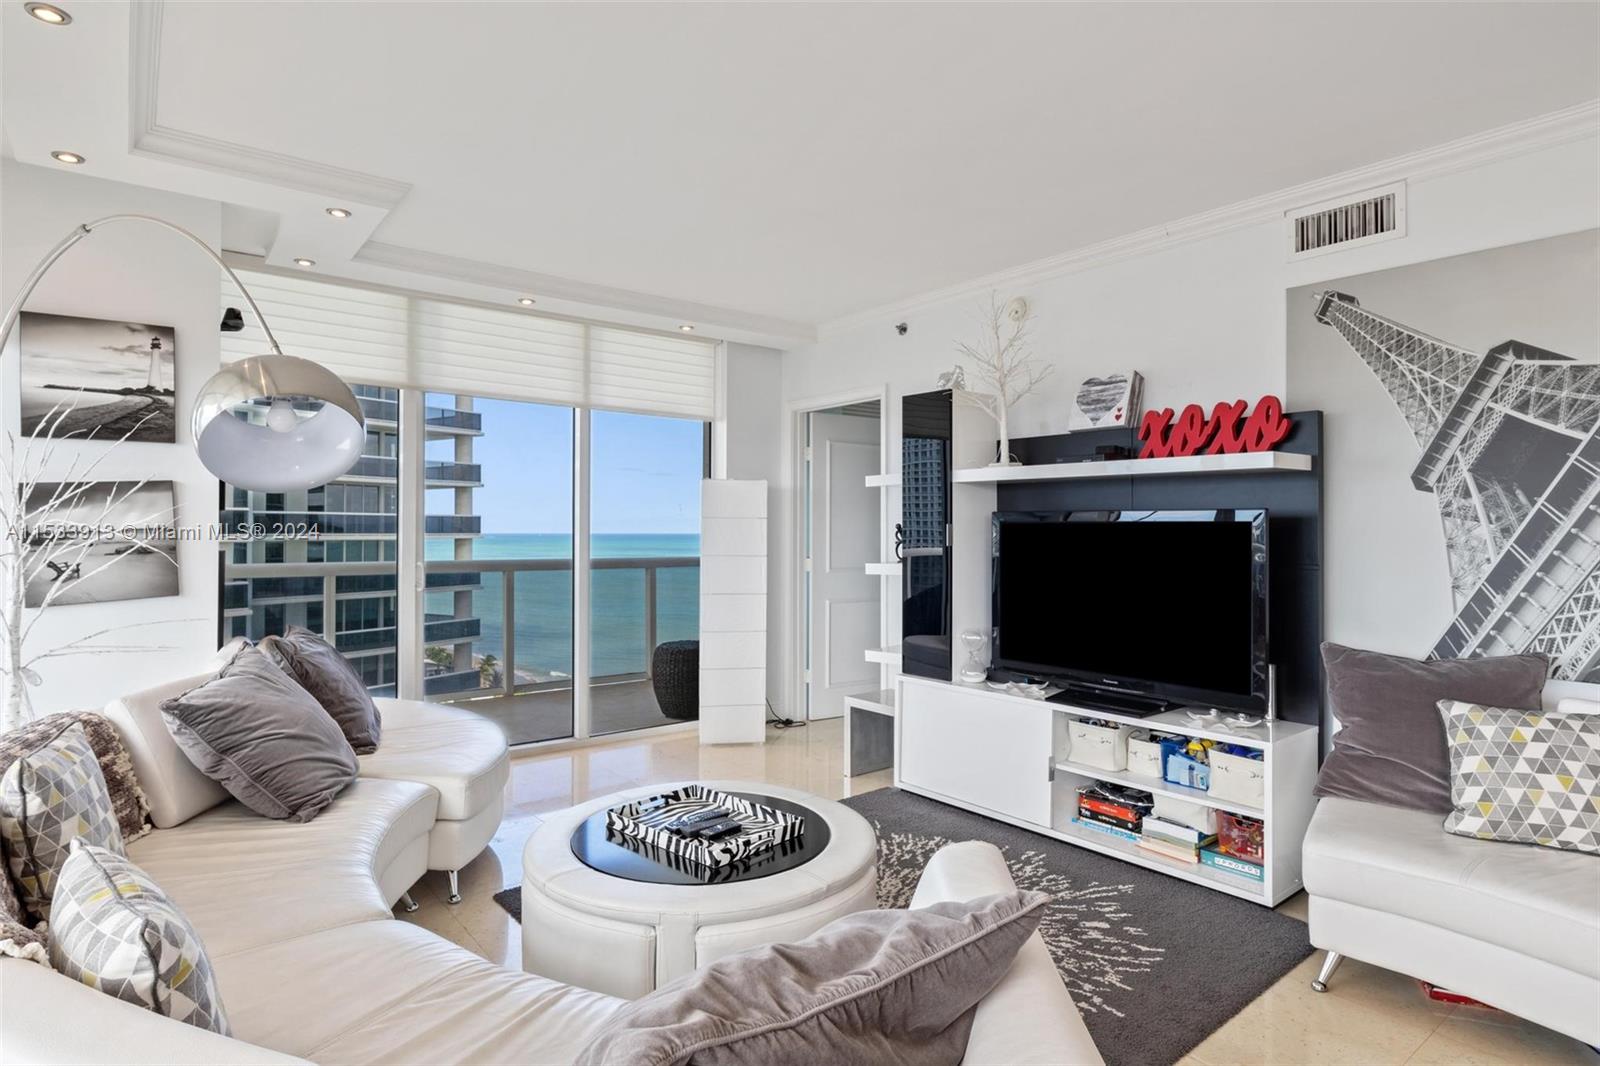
[(113, 540), (115, 378)]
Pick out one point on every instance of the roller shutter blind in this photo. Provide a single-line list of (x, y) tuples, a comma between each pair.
[(381, 338)]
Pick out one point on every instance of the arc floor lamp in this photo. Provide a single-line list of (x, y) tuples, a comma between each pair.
[(313, 430)]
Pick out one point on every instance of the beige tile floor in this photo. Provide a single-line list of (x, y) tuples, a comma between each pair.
[(1368, 1016)]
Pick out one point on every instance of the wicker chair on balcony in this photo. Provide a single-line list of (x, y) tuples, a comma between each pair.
[(675, 674)]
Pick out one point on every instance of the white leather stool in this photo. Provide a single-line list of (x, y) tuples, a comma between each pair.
[(625, 937)]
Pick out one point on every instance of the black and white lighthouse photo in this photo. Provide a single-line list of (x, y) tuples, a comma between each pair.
[(102, 379)]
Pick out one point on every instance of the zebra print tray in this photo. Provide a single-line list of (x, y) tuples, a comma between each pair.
[(763, 826)]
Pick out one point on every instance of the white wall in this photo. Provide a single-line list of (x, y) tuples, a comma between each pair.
[(1202, 321), (143, 274), (754, 449)]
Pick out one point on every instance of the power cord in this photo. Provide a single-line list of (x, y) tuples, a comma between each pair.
[(782, 723)]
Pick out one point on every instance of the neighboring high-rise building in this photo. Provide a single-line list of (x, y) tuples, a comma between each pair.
[(356, 517)]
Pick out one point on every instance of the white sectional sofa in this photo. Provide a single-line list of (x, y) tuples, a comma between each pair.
[(311, 965)]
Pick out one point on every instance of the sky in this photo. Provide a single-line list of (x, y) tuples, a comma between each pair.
[(645, 470)]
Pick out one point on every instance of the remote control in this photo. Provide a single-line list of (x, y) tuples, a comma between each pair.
[(717, 830), (687, 822)]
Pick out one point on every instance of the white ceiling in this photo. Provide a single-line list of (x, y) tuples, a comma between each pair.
[(764, 164)]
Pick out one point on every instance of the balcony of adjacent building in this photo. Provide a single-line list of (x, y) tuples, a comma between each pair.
[(344, 525), (380, 470), (383, 412)]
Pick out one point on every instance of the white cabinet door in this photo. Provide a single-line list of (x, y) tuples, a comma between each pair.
[(987, 750)]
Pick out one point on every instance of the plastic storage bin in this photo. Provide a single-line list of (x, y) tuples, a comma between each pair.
[(1098, 747), (1144, 755), (1180, 769), (1241, 836), (1238, 778), (1185, 812)]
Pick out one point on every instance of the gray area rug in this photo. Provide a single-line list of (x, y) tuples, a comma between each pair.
[(1155, 964)]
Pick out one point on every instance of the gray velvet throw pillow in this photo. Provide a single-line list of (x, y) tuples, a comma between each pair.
[(332, 682), (876, 987), (1390, 747), (256, 732)]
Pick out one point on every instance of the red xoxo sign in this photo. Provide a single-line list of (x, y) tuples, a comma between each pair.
[(1227, 430)]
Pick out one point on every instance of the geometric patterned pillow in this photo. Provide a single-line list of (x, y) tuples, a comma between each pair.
[(48, 798), (114, 930), (1528, 777)]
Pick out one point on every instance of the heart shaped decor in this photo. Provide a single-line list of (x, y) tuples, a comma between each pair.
[(1098, 397)]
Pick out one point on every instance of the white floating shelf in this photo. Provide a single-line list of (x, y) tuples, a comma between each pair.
[(1158, 788), (1241, 463), (883, 569), (883, 481), (889, 656)]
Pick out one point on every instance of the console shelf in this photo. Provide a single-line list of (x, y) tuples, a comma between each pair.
[(1241, 463), (1008, 756), (1159, 788)]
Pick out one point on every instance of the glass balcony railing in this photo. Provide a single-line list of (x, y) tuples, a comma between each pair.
[(511, 634), (379, 409), (447, 418), (385, 468), (452, 525), (455, 473), (650, 600)]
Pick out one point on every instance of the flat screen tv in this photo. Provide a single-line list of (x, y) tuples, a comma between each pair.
[(1155, 607)]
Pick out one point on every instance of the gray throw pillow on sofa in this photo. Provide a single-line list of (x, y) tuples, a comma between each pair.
[(873, 987), (332, 682), (1390, 747), (256, 732)]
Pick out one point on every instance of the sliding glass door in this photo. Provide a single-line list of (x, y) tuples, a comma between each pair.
[(497, 619), (508, 541), (644, 559)]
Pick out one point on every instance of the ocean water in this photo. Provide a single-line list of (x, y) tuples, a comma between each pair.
[(543, 636)]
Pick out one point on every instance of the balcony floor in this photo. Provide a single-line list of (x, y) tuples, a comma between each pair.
[(534, 716)]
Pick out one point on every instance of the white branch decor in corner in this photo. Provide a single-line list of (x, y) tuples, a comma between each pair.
[(733, 612), (37, 539)]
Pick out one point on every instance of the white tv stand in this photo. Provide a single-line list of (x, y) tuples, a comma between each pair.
[(1008, 757)]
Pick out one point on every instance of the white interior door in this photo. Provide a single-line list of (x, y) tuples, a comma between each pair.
[(843, 539)]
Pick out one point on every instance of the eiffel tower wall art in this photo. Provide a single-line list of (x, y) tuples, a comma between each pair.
[(1461, 399)]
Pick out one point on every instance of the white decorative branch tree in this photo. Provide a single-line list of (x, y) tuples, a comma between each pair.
[(35, 544), (1002, 361)]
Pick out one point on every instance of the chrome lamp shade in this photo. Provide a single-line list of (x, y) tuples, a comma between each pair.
[(276, 423)]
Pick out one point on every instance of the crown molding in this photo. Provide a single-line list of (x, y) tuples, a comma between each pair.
[(516, 280), (148, 137), (1542, 131)]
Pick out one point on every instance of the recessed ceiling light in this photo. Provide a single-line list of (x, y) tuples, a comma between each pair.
[(338, 212), (525, 301), (49, 13), (67, 157), (305, 262), (686, 328)]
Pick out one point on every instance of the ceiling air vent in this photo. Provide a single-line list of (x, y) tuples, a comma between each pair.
[(1368, 217)]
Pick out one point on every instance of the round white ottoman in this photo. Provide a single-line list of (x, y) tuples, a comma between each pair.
[(625, 937)]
